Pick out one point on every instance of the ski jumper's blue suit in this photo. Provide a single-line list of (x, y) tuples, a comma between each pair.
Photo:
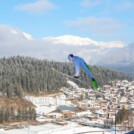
[(79, 62)]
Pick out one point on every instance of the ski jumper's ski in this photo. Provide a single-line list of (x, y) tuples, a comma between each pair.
[(93, 82), (68, 76)]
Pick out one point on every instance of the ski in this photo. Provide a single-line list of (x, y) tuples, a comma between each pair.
[(93, 82), (66, 75)]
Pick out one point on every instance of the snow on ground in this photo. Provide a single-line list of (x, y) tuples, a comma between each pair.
[(72, 128), (73, 84), (76, 87), (45, 105)]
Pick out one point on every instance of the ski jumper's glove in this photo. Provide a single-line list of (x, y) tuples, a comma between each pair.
[(76, 77)]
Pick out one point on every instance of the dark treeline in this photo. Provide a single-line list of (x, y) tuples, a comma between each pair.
[(25, 74), (125, 115), (12, 114)]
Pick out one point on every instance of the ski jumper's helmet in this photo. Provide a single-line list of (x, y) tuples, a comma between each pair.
[(70, 57)]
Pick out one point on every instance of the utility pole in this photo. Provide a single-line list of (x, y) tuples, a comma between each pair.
[(115, 120), (28, 126)]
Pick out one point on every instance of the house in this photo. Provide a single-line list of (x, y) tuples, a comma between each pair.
[(54, 115), (90, 116), (100, 113), (66, 112), (123, 99)]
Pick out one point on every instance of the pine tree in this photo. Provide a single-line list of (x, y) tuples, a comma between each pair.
[(2, 115), (122, 115)]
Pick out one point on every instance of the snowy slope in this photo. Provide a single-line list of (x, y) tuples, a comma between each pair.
[(57, 129), (45, 105)]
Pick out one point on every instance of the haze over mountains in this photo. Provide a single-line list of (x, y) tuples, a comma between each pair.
[(121, 59), (117, 54)]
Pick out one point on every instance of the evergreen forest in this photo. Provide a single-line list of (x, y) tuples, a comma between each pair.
[(20, 75)]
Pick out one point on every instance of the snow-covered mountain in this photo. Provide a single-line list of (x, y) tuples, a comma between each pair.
[(114, 56), (79, 41), (121, 59), (14, 42)]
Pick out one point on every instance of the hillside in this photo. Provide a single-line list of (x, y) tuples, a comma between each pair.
[(14, 103), (16, 109), (20, 75)]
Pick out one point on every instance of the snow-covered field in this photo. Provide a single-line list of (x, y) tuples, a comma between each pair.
[(57, 129), (45, 105)]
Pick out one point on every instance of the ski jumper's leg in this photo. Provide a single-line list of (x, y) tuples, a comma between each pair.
[(84, 66), (93, 81)]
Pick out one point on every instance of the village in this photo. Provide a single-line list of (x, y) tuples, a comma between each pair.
[(94, 108), (74, 108)]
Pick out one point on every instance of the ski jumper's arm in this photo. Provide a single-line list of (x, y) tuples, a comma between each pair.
[(76, 69), (76, 66)]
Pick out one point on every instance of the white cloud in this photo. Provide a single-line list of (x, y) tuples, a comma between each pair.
[(125, 5), (36, 7), (90, 3), (103, 26)]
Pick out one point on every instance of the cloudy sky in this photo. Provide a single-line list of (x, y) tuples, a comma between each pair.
[(101, 20), (47, 28)]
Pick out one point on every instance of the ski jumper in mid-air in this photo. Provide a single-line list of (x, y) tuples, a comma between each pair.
[(79, 62)]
